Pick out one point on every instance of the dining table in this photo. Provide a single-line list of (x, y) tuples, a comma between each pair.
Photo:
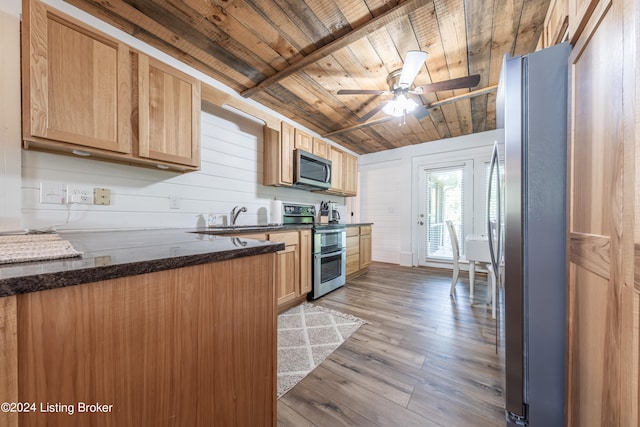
[(476, 249)]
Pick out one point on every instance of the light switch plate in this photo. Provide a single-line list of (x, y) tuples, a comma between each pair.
[(53, 192)]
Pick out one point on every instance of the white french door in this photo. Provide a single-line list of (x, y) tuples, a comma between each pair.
[(445, 192)]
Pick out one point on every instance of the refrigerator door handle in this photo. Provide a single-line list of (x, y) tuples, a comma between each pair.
[(494, 246)]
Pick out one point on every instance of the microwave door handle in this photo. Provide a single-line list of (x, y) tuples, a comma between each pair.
[(327, 173)]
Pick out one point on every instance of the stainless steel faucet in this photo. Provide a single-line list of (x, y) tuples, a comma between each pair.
[(235, 212)]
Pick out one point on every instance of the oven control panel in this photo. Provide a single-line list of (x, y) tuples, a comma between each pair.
[(294, 213)]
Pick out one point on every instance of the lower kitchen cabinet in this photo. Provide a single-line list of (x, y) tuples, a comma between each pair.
[(358, 249), (287, 266), (365, 246), (353, 250), (293, 265), (305, 263), (157, 349)]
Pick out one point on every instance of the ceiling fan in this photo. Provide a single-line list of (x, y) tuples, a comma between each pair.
[(406, 99)]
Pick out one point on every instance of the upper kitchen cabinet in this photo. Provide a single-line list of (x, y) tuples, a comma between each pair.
[(335, 155), (168, 113), (303, 141), (278, 155), (76, 83), (88, 94), (350, 174), (320, 148)]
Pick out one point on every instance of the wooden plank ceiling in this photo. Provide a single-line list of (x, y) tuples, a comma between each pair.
[(294, 55)]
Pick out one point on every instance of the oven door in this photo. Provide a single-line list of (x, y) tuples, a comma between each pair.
[(328, 241), (328, 272)]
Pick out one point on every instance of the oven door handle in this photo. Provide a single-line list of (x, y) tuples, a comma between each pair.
[(329, 254)]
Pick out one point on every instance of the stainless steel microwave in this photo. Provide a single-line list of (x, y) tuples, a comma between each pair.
[(311, 171)]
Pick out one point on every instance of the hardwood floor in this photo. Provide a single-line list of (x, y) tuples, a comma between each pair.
[(425, 359)]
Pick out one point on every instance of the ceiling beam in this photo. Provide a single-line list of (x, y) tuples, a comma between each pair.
[(471, 94), (328, 49)]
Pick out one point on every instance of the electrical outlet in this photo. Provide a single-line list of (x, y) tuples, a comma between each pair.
[(80, 195), (174, 201), (101, 196), (53, 192)]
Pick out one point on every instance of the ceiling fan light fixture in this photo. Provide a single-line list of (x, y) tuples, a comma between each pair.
[(400, 106)]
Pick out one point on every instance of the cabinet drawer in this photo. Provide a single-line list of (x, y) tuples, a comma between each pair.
[(288, 238), (353, 244), (353, 231), (353, 263), (365, 229)]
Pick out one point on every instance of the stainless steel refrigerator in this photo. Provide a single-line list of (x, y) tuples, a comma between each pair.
[(532, 109)]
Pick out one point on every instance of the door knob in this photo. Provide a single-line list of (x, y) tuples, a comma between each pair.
[(420, 222)]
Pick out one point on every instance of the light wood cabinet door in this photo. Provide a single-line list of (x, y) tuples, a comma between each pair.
[(320, 148), (603, 289), (350, 174), (278, 155), (365, 250), (168, 113), (335, 156), (305, 262), (353, 252), (76, 83), (303, 141), (287, 266), (287, 274)]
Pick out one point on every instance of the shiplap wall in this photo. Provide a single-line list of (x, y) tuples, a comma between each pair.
[(381, 204), (231, 175), (388, 188)]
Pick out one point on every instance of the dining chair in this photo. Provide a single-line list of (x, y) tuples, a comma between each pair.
[(453, 236)]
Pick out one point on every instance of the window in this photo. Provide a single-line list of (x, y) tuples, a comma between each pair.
[(444, 199)]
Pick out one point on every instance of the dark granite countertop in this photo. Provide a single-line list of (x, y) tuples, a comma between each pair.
[(113, 254), (357, 224), (242, 229)]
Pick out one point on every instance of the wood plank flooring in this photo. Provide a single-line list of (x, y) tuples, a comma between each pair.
[(425, 359)]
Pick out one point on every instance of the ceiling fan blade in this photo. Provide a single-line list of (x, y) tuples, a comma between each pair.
[(421, 112), (459, 83), (372, 112), (412, 64), (361, 92)]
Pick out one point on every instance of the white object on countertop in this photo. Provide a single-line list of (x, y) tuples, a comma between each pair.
[(275, 212)]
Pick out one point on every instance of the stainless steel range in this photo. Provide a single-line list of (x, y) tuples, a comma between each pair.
[(329, 257)]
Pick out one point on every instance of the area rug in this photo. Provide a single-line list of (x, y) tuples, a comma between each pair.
[(307, 334)]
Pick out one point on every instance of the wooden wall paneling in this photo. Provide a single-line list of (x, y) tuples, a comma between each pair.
[(171, 346), (9, 358), (556, 24), (602, 370), (453, 28), (579, 13), (230, 22), (123, 16), (630, 295), (480, 26)]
